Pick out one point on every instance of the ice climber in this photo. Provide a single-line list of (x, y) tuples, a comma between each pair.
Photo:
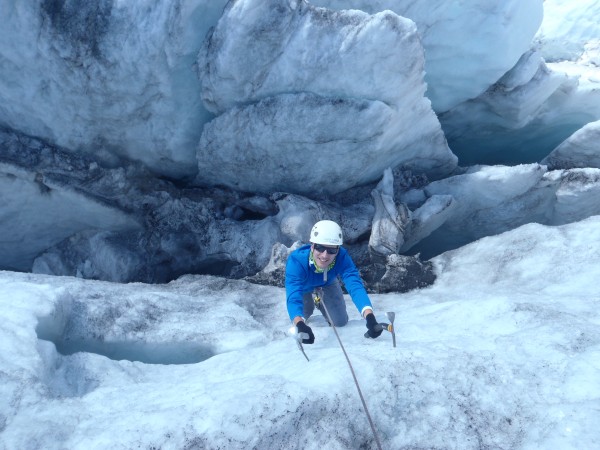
[(312, 277)]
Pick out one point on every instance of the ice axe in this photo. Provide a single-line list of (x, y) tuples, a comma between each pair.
[(298, 338), (387, 326), (391, 316)]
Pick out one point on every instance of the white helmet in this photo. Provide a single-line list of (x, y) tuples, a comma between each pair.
[(326, 232)]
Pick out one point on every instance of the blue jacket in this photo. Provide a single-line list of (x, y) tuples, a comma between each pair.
[(301, 278)]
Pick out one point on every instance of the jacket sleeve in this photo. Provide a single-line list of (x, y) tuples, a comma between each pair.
[(354, 284), (295, 279)]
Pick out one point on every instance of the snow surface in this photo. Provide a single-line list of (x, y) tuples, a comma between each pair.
[(503, 351)]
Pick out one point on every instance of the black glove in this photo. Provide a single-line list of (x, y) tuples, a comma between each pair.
[(374, 329), (303, 328)]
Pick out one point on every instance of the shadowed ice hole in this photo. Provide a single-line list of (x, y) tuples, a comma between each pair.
[(145, 352), (65, 329)]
